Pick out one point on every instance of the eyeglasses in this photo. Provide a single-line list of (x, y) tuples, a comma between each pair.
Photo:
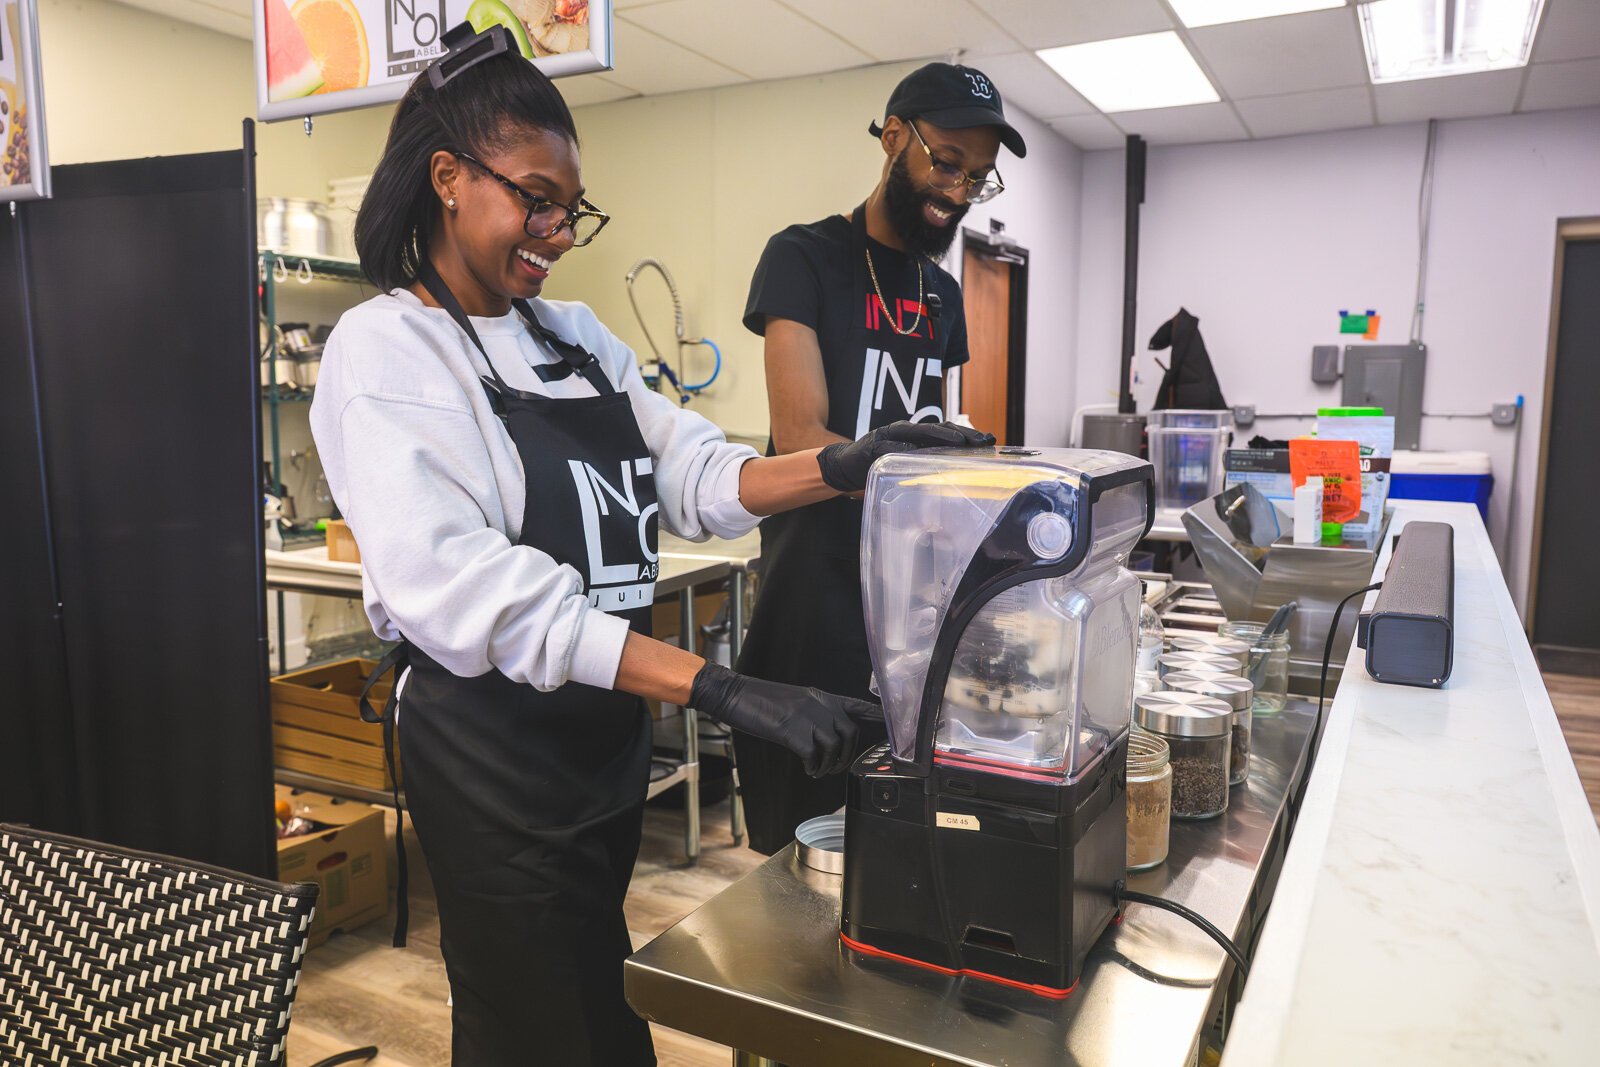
[(946, 177), (546, 217)]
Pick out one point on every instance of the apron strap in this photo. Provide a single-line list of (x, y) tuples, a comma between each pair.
[(575, 357), (397, 659)]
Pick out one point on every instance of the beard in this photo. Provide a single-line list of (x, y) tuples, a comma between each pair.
[(903, 199)]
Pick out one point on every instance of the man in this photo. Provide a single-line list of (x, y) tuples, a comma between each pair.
[(861, 324)]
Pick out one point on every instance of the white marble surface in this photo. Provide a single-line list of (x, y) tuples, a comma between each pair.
[(1440, 903)]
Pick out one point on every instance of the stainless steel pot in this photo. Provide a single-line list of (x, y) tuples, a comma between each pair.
[(293, 227), (307, 365)]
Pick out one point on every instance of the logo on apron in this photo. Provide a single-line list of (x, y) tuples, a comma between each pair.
[(618, 534), (880, 371)]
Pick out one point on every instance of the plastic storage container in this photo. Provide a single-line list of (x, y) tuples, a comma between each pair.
[(1041, 677), (1190, 419), (1188, 464), (1198, 731), (1268, 666), (1239, 695), (1149, 800)]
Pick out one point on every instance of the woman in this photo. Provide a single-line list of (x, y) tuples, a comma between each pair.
[(503, 467)]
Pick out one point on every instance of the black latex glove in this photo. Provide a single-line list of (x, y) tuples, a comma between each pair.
[(845, 465), (814, 725)]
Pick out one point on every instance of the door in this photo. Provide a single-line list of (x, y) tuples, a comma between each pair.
[(1566, 626), (993, 284)]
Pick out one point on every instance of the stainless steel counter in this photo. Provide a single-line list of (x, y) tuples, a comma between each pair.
[(760, 966)]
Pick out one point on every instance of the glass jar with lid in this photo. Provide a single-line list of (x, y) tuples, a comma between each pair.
[(1198, 730), (1239, 695), (1211, 645), (1268, 666), (1149, 800), (1197, 661)]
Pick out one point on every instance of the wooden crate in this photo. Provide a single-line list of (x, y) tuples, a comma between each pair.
[(317, 726)]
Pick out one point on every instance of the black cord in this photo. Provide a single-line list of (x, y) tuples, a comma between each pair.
[(1126, 895), (1322, 696)]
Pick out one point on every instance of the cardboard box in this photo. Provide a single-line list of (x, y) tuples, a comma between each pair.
[(349, 861), (342, 547), (317, 726)]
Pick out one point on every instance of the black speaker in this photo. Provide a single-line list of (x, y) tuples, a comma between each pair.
[(1409, 635)]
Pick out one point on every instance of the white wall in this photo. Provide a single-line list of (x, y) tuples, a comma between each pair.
[(702, 179), (1266, 241)]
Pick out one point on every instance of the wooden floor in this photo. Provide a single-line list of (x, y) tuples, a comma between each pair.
[(357, 990), (1577, 702)]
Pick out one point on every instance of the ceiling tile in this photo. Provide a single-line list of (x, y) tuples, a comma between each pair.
[(653, 64), (1289, 54), (1026, 81), (1184, 125), (1460, 96), (581, 90), (890, 30), (1568, 29), (1324, 109), (1046, 23), (1090, 131), (1552, 85), (759, 38)]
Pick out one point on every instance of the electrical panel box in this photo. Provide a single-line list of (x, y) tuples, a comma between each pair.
[(1389, 377)]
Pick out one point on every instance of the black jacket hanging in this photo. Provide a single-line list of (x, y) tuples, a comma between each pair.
[(1190, 381)]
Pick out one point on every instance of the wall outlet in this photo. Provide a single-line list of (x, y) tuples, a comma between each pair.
[(1503, 414), (1244, 414)]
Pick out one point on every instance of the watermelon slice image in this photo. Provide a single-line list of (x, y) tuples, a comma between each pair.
[(291, 70)]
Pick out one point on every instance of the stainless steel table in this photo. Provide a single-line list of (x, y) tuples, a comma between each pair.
[(760, 967), (309, 571)]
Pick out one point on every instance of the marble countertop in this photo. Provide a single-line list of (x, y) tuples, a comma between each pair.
[(1440, 901)]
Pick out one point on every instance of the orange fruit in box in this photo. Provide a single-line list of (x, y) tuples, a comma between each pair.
[(282, 810), (338, 41)]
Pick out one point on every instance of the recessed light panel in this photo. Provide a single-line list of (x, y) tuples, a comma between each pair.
[(1410, 39), (1133, 73), (1194, 13)]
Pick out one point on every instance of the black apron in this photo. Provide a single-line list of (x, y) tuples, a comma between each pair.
[(807, 627), (529, 805)]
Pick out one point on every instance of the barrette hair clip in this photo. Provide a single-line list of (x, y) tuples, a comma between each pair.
[(465, 48)]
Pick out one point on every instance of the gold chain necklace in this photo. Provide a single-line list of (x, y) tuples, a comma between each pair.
[(878, 289)]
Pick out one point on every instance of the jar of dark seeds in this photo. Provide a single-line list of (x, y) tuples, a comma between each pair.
[(1149, 800), (1238, 694), (1198, 731)]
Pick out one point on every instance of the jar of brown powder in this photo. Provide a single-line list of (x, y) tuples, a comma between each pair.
[(1149, 800)]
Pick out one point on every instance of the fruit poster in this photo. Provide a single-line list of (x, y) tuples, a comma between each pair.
[(316, 56), (24, 169)]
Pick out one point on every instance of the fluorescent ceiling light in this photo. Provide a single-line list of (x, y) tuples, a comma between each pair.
[(1194, 13), (1133, 73), (1409, 39)]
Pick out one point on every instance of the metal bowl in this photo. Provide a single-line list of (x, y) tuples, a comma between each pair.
[(821, 843)]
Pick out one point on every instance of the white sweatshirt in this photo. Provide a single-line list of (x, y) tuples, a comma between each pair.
[(433, 488)]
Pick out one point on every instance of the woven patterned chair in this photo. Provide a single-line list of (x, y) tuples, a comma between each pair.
[(136, 960)]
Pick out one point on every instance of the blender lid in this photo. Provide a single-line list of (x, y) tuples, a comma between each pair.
[(1183, 714), (1238, 693)]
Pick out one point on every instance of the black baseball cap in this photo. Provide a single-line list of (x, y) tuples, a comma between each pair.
[(954, 97)]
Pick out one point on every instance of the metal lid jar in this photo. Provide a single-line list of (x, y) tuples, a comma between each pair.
[(1198, 731), (1239, 695), (1149, 800), (1197, 661)]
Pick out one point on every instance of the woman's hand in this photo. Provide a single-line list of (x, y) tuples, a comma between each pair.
[(818, 727), (845, 466)]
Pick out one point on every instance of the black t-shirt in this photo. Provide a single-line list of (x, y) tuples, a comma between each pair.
[(808, 274)]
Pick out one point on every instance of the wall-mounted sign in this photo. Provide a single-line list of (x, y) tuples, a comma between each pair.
[(316, 56), (24, 166)]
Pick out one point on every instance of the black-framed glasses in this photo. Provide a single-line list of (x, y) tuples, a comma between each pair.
[(545, 216), (947, 177)]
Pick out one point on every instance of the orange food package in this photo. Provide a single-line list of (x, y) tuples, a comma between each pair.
[(1338, 464)]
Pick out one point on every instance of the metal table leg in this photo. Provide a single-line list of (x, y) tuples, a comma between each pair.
[(736, 594), (750, 1059), (691, 739)]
